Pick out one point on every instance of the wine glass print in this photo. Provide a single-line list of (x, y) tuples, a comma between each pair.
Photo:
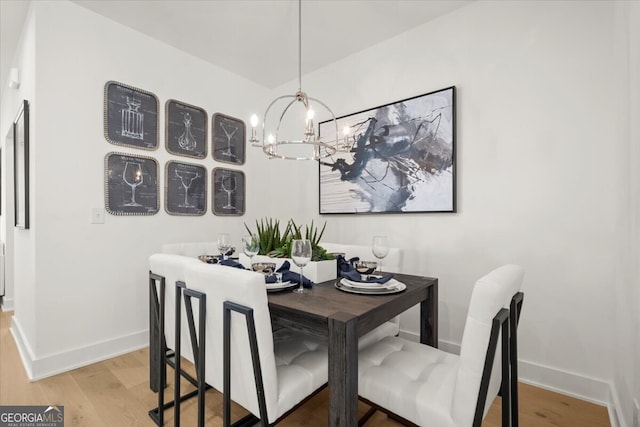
[(132, 176), (229, 130), (187, 141), (229, 183), (301, 255), (380, 249), (186, 176)]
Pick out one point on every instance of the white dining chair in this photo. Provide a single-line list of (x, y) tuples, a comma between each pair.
[(391, 263), (267, 373), (166, 273), (191, 249), (421, 385)]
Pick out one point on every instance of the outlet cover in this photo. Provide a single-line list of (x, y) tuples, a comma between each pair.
[(97, 216)]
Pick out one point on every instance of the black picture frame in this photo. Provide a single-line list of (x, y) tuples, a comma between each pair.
[(185, 189), (1, 179), (130, 116), (21, 166), (228, 135), (395, 158), (186, 129), (131, 184), (228, 192)]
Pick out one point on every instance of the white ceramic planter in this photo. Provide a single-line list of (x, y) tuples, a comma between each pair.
[(316, 271)]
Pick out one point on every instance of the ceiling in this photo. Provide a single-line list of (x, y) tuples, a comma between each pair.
[(256, 39)]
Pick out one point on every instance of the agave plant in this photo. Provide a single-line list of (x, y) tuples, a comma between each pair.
[(275, 244), (269, 236)]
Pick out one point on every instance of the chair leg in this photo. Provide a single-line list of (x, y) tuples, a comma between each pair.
[(514, 319), (506, 370), (199, 344)]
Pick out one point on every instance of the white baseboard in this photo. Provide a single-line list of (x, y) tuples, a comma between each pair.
[(48, 365), (7, 304), (568, 383)]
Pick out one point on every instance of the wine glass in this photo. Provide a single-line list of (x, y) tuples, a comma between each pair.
[(301, 255), (224, 244), (250, 246), (229, 188), (380, 249), (132, 176)]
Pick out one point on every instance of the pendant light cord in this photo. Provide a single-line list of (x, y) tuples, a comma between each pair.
[(300, 45)]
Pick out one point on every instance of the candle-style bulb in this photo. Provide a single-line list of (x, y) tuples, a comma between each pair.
[(310, 114), (271, 138), (346, 130), (254, 120)]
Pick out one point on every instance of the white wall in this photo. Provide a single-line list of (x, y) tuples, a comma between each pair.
[(539, 148), (626, 377), (20, 243), (90, 280)]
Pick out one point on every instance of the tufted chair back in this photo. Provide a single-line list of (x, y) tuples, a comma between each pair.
[(247, 288), (490, 293), (191, 249)]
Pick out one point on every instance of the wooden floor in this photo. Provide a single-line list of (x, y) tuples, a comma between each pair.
[(115, 392)]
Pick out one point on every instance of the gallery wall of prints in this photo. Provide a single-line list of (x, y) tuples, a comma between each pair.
[(133, 180)]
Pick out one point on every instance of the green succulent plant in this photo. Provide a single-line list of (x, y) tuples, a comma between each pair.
[(275, 244)]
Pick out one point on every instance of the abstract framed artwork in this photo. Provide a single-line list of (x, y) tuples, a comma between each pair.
[(395, 158), (186, 129), (21, 166), (130, 116), (228, 135), (228, 192), (185, 189), (131, 184)]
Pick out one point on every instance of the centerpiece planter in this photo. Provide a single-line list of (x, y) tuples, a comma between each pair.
[(316, 271)]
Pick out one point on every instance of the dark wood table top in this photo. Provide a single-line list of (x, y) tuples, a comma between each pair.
[(324, 300)]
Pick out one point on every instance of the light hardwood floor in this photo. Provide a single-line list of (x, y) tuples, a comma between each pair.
[(115, 392)]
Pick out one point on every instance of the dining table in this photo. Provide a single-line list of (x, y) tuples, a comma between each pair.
[(342, 317)]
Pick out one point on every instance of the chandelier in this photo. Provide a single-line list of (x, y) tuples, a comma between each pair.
[(308, 145)]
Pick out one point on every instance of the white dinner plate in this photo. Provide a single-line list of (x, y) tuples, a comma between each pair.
[(378, 290), (392, 283), (278, 286)]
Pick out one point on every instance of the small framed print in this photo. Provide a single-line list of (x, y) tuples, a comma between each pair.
[(186, 130), (228, 192), (131, 184), (21, 166), (228, 136), (130, 116), (185, 189)]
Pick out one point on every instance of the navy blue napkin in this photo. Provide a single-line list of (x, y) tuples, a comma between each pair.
[(231, 263), (289, 276), (345, 265), (354, 276)]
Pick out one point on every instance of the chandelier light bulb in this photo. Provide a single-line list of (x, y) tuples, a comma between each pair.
[(310, 114), (346, 130), (254, 120), (271, 139)]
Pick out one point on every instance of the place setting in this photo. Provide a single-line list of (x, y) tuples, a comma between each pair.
[(356, 276)]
